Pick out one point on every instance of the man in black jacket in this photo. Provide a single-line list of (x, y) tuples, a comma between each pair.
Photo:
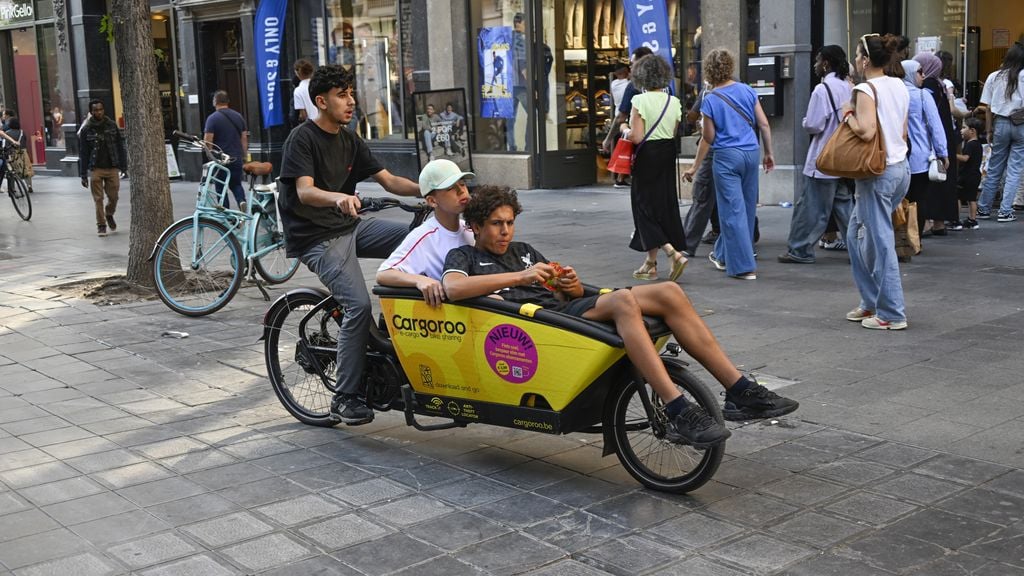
[(102, 151)]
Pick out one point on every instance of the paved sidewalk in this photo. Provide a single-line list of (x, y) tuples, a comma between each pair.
[(122, 451)]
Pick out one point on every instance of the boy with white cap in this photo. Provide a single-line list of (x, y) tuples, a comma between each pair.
[(419, 259)]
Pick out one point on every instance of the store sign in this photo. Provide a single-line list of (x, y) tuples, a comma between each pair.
[(647, 25), (494, 45), (12, 12), (268, 38)]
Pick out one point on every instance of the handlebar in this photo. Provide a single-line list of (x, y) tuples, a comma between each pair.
[(378, 204), (211, 150)]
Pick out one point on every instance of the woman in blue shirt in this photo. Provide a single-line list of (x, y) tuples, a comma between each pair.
[(732, 113), (926, 135)]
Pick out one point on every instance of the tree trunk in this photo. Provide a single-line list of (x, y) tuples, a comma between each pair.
[(147, 163)]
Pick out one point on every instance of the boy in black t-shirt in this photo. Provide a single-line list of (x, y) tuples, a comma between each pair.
[(970, 170), (321, 164), (515, 271)]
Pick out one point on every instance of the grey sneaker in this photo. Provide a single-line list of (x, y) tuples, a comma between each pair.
[(350, 409), (693, 426), (1006, 217)]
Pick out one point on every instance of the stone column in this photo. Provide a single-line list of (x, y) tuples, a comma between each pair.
[(723, 25)]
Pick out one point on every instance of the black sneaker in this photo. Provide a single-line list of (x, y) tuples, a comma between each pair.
[(110, 223), (983, 214), (350, 409), (101, 231), (693, 426), (710, 237), (970, 224), (954, 225), (757, 402)]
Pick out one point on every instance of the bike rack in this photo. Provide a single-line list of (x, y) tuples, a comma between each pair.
[(409, 399)]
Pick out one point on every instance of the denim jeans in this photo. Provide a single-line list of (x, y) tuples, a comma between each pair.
[(1008, 156), (736, 191), (871, 242), (818, 200)]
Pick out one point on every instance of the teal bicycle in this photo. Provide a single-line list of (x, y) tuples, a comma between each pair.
[(199, 262)]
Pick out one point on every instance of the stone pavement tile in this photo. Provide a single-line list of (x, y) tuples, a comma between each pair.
[(584, 460), (146, 435), (369, 492), (10, 502), (257, 448), (829, 564), (511, 554), (488, 460), (91, 415), (25, 523), (575, 532), (473, 492), (890, 550), (342, 531), (998, 443), (18, 414), (745, 473), (697, 565), (289, 462), (317, 566), (201, 424), (837, 441), (917, 488), (228, 529), (171, 447), (109, 386), (311, 437), (61, 490), (24, 458), (151, 550), (267, 552), (403, 552), (533, 474), (45, 397), (792, 456), (88, 508), (966, 564), (370, 454), (200, 565), (1005, 545), (228, 435), (870, 508), (982, 504), (852, 472), (522, 510), (429, 475), (143, 407), (81, 447), (160, 491), (637, 510), (37, 474), (542, 446), (262, 492), (960, 469), (192, 509), (88, 564), (762, 554), (299, 510), (945, 529), (803, 490), (629, 555), (199, 460), (113, 529), (894, 454), (75, 405), (227, 476), (23, 427), (443, 566), (936, 432), (122, 423), (818, 530), (457, 530), (1010, 483), (694, 530), (750, 509), (101, 461), (412, 510), (580, 491), (129, 475), (38, 548)]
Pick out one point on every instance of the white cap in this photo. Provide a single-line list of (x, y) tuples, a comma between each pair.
[(441, 174)]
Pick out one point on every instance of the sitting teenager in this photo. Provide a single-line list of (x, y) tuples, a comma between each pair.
[(515, 271), (419, 259)]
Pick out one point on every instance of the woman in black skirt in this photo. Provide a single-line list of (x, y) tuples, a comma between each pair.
[(652, 129), (943, 205)]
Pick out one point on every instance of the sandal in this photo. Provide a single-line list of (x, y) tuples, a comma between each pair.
[(649, 271), (679, 262)]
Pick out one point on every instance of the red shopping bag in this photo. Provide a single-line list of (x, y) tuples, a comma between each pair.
[(621, 161)]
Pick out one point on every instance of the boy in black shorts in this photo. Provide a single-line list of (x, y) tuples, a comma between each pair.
[(970, 169), (517, 272)]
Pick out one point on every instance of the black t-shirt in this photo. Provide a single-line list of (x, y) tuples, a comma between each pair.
[(336, 162), (970, 171), (472, 261)]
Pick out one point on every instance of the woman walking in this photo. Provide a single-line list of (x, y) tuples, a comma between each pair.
[(870, 236), (943, 205), (652, 129), (731, 116), (1004, 94), (926, 135)]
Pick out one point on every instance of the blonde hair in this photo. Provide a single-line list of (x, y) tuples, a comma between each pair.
[(719, 65)]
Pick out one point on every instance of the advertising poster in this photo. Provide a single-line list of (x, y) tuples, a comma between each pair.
[(441, 130), (496, 70), (269, 29)]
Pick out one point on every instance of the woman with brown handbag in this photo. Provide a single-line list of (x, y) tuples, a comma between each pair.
[(880, 104)]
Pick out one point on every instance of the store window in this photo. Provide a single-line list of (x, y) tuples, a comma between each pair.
[(366, 37), (501, 69), (52, 100), (937, 26)]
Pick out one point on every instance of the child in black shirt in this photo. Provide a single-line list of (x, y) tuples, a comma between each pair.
[(970, 170)]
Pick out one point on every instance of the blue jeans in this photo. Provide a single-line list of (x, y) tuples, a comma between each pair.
[(736, 176), (235, 185), (818, 200), (1007, 144), (872, 244)]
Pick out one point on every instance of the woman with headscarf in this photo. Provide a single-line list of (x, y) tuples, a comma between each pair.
[(926, 137), (943, 205)]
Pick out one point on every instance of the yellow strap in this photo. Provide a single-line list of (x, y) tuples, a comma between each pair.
[(605, 290), (528, 310)]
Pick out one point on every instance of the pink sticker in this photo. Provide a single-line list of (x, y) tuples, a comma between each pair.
[(510, 353)]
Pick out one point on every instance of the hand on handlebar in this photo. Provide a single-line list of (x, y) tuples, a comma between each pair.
[(432, 290), (349, 204)]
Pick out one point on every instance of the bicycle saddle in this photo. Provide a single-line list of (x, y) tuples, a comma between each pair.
[(258, 168)]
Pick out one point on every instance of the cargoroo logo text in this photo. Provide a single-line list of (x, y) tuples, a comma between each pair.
[(428, 327)]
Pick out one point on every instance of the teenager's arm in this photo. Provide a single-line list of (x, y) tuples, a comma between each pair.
[(432, 290), (397, 184), (459, 286), (310, 195)]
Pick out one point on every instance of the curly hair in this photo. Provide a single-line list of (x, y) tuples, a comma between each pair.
[(327, 77), (486, 199), (651, 72), (719, 66)]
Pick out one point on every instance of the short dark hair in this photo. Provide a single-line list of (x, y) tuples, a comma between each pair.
[(486, 199), (303, 68), (641, 52), (327, 77), (92, 103), (10, 113), (975, 124), (221, 97), (519, 17), (14, 123)]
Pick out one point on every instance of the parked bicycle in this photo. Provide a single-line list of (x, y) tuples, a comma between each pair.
[(199, 261), (17, 189), (490, 361)]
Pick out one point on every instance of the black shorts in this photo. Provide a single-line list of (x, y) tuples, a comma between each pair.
[(967, 190), (578, 306)]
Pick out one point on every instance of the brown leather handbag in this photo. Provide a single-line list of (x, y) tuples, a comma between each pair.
[(846, 155)]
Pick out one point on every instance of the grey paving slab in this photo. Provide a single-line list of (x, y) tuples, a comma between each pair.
[(24, 458), (230, 475), (441, 566), (151, 550), (761, 553), (343, 531), (834, 565), (55, 435), (160, 491), (509, 554), (228, 529), (198, 460), (986, 505), (522, 510), (322, 565), (299, 510), (629, 555), (25, 523), (267, 552), (88, 508), (263, 492), (1009, 483), (895, 552), (193, 509), (37, 474), (697, 565), (403, 551), (871, 508), (131, 475), (43, 424), (39, 548), (819, 530), (120, 527), (917, 488), (369, 492), (61, 490), (11, 502), (637, 510), (88, 564), (474, 492), (694, 530), (751, 509)]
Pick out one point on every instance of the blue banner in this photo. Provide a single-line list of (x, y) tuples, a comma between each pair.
[(268, 39), (497, 65), (647, 25)]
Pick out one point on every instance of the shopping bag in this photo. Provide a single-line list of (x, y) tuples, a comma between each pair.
[(621, 161)]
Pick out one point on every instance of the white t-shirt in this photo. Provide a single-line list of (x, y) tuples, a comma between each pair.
[(994, 94), (618, 89), (424, 249), (893, 104), (303, 101)]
